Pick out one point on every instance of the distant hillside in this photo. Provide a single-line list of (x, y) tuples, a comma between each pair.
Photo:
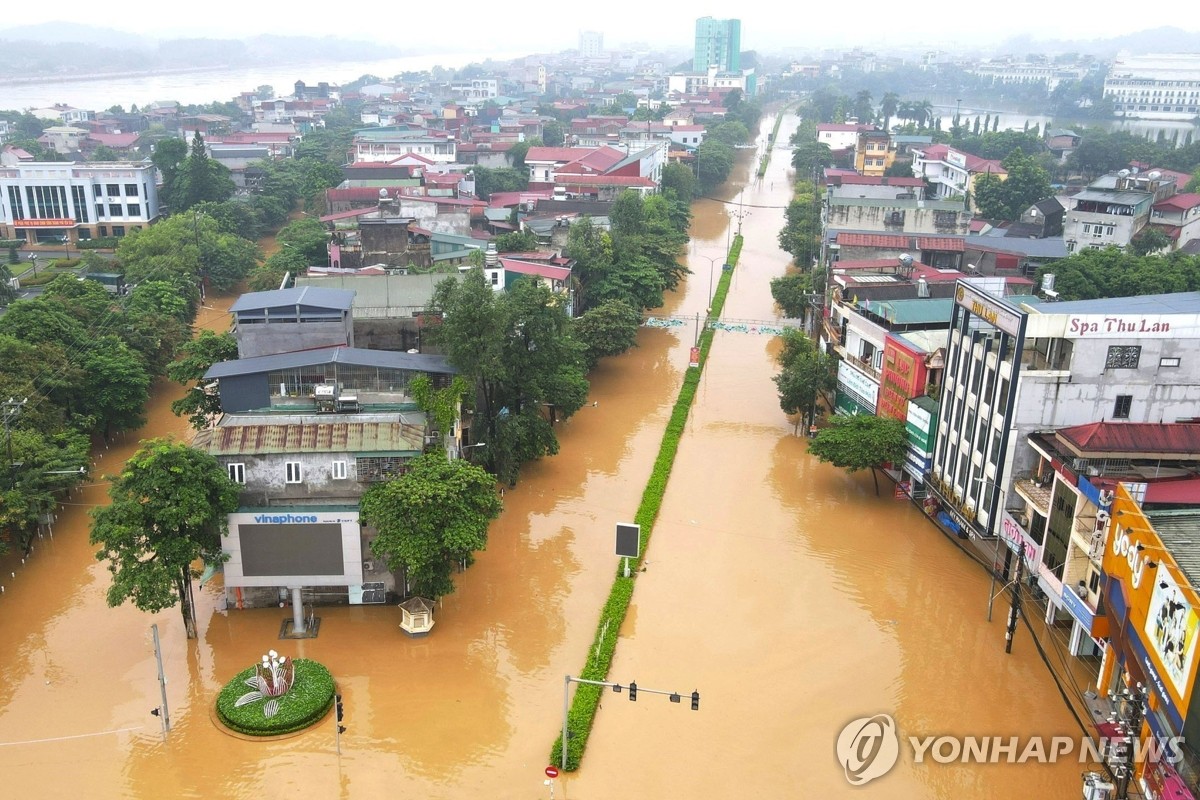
[(36, 51), (1166, 39)]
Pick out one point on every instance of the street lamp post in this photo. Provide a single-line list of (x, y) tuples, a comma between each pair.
[(33, 259)]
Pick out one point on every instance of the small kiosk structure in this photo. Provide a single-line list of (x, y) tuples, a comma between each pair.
[(416, 617)]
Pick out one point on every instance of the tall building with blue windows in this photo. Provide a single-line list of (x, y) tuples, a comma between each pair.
[(718, 43)]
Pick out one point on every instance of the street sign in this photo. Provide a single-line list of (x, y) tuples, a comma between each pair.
[(551, 772), (628, 539), (694, 358)]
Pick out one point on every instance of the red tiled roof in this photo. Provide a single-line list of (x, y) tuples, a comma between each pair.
[(602, 180), (1179, 202), (945, 245), (872, 240), (867, 263), (1174, 438), (409, 157), (601, 159), (938, 152), (117, 140), (507, 199), (564, 155), (1179, 491), (533, 268), (248, 137)]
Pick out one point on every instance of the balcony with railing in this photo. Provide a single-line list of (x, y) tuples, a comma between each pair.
[(1036, 490)]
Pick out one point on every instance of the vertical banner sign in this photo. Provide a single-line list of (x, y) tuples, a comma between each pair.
[(628, 539), (694, 361)]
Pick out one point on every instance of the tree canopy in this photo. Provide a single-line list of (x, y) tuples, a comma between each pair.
[(1027, 183), (609, 329), (194, 359), (805, 373), (1090, 274), (430, 519), (862, 441), (167, 513), (187, 246)]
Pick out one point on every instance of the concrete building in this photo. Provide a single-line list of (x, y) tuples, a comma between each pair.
[(952, 172), (719, 44), (1165, 86), (386, 144), (1014, 72), (1114, 209), (46, 201), (273, 322), (591, 44), (1016, 367)]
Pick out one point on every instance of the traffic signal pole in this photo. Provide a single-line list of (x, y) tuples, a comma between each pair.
[(634, 690)]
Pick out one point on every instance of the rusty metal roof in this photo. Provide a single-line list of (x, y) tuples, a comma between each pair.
[(316, 437), (1147, 439)]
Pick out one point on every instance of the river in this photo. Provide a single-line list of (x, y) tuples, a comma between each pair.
[(219, 85), (783, 590)]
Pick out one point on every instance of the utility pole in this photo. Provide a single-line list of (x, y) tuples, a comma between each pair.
[(1131, 711), (11, 409), (1015, 611), (161, 711)]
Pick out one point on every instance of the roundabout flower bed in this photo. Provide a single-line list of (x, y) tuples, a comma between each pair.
[(270, 710)]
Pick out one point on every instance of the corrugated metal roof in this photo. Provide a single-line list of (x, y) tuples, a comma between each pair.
[(354, 356), (314, 437), (1112, 196), (1179, 530), (916, 311), (1174, 303), (312, 296)]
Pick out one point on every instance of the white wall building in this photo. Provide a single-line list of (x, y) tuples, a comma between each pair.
[(591, 44), (44, 201), (1163, 86)]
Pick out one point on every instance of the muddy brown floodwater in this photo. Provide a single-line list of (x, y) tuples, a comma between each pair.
[(783, 590)]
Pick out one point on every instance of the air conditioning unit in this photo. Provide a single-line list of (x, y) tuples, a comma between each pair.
[(368, 566)]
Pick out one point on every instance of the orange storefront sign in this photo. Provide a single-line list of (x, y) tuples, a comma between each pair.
[(43, 223)]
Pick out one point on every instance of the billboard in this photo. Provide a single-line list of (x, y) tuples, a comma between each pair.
[(1171, 624), (903, 377)]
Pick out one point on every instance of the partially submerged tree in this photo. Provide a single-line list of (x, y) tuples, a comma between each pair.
[(806, 373), (861, 441), (430, 519), (194, 359), (167, 513)]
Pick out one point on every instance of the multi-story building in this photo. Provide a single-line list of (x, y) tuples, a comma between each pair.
[(719, 44), (1015, 367), (46, 201), (952, 172), (1114, 209), (841, 135), (1163, 86), (388, 144), (873, 152), (1010, 72), (591, 44), (1179, 217)]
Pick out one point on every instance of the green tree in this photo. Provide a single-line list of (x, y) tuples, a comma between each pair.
[(1007, 199), (503, 179), (432, 518), (103, 153), (888, 108), (609, 329), (801, 234), (805, 374), (117, 385), (200, 179), (189, 246), (194, 359), (307, 237), (552, 134), (714, 162), (516, 242), (1193, 185), (810, 158), (864, 108), (167, 513), (7, 292), (861, 441), (168, 155), (1149, 240), (516, 350), (680, 179), (792, 292), (45, 465)]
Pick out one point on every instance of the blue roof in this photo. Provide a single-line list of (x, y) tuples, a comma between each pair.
[(353, 356), (311, 296)]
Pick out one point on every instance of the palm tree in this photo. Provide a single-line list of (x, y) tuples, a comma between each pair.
[(923, 113), (888, 108), (863, 108)]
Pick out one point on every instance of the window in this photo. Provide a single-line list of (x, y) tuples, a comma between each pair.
[(131, 190), (96, 189), (1121, 356), (134, 209), (339, 470), (113, 190), (292, 471), (99, 211), (118, 230), (114, 209), (1122, 406), (237, 472), (1168, 362), (1087, 228)]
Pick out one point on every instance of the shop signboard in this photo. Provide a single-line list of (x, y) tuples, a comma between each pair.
[(1019, 541), (863, 390), (1171, 628), (988, 308), (44, 223)]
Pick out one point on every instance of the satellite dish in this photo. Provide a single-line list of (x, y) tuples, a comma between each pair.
[(382, 193), (1123, 173), (906, 260), (1155, 175)]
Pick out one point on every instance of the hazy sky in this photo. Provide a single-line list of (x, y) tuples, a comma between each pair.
[(491, 27)]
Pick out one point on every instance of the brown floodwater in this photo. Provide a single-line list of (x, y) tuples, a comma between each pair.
[(782, 589)]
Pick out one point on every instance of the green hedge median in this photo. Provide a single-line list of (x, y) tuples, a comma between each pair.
[(600, 655), (766, 159)]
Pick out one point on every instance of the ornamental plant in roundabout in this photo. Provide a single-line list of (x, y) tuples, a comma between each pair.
[(284, 696)]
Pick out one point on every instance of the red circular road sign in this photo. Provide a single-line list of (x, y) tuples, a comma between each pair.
[(551, 772)]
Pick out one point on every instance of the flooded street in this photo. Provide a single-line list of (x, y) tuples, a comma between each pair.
[(783, 590)]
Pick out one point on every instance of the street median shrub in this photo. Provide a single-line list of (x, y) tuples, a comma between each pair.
[(582, 712)]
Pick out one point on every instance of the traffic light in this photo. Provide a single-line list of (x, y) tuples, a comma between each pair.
[(674, 697), (633, 691), (695, 701), (337, 698)]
